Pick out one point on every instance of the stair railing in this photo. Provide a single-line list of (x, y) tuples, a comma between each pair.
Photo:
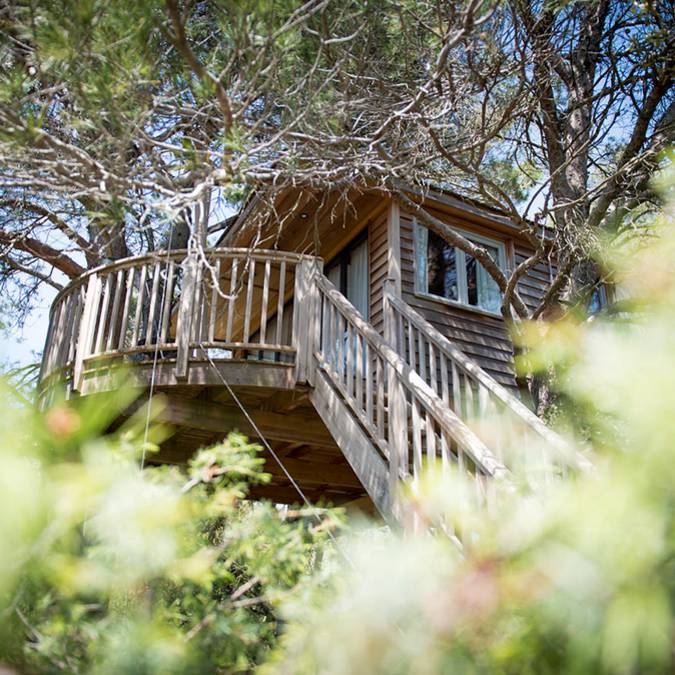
[(498, 417), (408, 423)]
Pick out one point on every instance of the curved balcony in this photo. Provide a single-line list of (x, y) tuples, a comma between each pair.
[(229, 315)]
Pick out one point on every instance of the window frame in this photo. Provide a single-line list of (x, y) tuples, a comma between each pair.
[(460, 262)]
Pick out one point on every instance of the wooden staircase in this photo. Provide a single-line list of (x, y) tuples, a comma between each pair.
[(411, 398)]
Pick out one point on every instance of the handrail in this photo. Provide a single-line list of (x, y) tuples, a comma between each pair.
[(179, 254), (369, 372), (461, 365), (175, 305)]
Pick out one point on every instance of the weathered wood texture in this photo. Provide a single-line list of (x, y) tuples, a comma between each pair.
[(534, 284), (497, 417), (171, 308), (406, 423)]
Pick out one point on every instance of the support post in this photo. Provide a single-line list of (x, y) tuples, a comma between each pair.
[(185, 310), (87, 323), (305, 331), (397, 435)]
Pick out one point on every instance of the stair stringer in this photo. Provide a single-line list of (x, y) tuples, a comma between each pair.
[(355, 444)]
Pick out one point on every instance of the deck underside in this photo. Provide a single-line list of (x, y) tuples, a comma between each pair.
[(200, 416)]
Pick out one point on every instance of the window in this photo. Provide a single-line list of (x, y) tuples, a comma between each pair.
[(444, 271), (597, 300)]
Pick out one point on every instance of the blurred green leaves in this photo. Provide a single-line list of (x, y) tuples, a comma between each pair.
[(107, 568)]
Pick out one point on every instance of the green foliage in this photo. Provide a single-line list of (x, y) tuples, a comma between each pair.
[(106, 568)]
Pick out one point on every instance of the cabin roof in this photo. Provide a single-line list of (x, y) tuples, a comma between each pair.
[(438, 194)]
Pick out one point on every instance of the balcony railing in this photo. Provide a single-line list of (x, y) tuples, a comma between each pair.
[(224, 305)]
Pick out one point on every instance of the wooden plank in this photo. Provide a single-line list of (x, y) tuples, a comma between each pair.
[(219, 418), (139, 306), (265, 300), (231, 299), (153, 306), (185, 314), (114, 314), (102, 314), (166, 309), (86, 328), (280, 301), (127, 307)]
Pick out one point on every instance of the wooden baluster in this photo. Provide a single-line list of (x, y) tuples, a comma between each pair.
[(114, 314), (433, 373), (139, 307), (265, 300), (349, 369), (411, 345), (379, 384), (483, 402), (397, 436), (280, 301), (340, 353), (368, 375), (127, 308), (71, 319), (249, 301), (213, 310), (445, 451), (79, 296), (457, 392), (61, 338), (102, 315), (468, 398), (149, 339), (199, 306), (55, 338), (400, 332), (87, 324), (330, 344), (185, 314), (422, 361), (325, 327), (431, 440), (416, 438), (445, 387), (231, 299), (168, 301), (358, 355)]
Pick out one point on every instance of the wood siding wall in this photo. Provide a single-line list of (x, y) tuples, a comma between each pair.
[(533, 285)]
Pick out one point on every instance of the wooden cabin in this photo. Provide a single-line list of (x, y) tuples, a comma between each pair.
[(355, 343)]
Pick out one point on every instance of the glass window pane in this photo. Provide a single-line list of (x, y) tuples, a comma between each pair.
[(482, 290), (441, 268)]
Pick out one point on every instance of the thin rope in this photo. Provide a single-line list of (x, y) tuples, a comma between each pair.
[(276, 457), (156, 355)]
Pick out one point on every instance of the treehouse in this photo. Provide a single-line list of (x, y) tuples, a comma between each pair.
[(354, 342)]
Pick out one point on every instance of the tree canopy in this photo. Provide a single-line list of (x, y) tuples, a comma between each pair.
[(121, 123)]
